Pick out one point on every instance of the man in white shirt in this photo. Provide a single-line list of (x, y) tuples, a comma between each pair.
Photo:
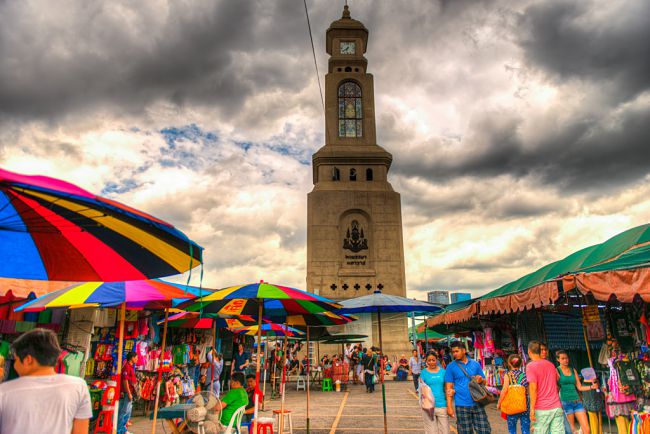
[(41, 400)]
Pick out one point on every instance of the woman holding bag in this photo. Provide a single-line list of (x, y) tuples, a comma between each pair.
[(435, 408), (513, 400)]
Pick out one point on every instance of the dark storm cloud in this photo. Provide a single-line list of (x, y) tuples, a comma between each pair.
[(98, 53), (594, 52), (600, 152), (587, 41)]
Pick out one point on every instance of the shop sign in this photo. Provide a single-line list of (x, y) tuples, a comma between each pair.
[(592, 323)]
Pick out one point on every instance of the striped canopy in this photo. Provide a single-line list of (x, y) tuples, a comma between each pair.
[(268, 330), (194, 320), (278, 301), (322, 319), (54, 230), (138, 294)]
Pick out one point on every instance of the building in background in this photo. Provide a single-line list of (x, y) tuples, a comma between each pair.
[(460, 296), (438, 297), (354, 216)]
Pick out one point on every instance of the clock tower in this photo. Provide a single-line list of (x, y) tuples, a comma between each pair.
[(354, 220)]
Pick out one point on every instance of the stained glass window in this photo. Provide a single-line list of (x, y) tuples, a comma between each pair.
[(350, 110)]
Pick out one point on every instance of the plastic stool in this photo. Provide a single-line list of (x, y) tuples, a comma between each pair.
[(104, 422), (287, 413), (327, 385), (264, 425), (300, 383)]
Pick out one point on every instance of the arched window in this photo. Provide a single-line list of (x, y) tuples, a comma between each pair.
[(368, 174), (336, 174), (353, 174), (350, 110)]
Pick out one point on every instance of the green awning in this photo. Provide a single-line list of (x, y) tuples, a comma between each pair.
[(623, 251)]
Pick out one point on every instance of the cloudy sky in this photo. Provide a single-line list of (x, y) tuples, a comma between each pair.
[(520, 130)]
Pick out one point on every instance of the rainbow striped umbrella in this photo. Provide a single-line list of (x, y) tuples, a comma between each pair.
[(194, 320), (137, 294), (269, 330), (54, 230), (260, 299), (275, 301)]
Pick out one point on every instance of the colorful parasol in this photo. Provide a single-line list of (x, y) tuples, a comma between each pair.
[(192, 320), (137, 294), (260, 299), (269, 330), (378, 303), (53, 230), (278, 301), (309, 321)]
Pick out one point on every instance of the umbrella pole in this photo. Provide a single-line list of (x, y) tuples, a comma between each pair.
[(383, 387), (308, 373), (120, 350), (283, 385), (266, 364), (160, 359), (214, 352), (257, 364)]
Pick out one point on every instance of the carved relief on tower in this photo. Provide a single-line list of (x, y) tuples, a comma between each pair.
[(355, 235)]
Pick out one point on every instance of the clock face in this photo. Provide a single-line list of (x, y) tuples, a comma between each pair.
[(348, 47)]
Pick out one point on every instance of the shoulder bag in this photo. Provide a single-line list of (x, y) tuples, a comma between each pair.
[(478, 392), (515, 399)]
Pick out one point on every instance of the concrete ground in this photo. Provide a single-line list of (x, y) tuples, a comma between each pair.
[(351, 412)]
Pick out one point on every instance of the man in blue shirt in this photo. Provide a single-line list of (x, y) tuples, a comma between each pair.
[(471, 416), (241, 360)]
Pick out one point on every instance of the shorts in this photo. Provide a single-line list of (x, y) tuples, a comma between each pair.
[(571, 407)]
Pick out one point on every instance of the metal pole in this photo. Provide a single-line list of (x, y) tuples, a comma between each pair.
[(415, 332), (257, 363), (308, 372), (120, 350), (266, 369), (426, 339), (283, 384), (383, 388), (160, 359)]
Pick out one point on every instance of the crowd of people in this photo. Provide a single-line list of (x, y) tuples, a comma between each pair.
[(546, 395)]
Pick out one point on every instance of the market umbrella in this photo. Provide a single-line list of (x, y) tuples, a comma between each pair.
[(53, 230), (136, 294), (378, 303), (191, 320), (318, 320), (142, 294), (268, 330), (261, 299)]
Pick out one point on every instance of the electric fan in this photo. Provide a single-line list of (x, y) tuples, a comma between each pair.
[(203, 416)]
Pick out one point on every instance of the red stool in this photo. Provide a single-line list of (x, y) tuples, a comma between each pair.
[(104, 422), (265, 427)]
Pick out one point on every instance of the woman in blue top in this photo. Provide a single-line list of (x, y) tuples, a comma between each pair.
[(434, 377)]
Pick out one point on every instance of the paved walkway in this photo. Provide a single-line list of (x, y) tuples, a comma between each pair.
[(351, 412)]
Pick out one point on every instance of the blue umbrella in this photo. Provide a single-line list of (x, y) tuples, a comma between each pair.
[(378, 303)]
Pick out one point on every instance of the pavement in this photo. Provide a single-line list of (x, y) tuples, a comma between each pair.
[(350, 412)]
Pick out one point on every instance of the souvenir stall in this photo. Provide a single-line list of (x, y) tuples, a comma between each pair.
[(106, 338)]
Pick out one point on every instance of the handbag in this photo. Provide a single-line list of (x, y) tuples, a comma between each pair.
[(427, 400), (515, 399), (478, 392)]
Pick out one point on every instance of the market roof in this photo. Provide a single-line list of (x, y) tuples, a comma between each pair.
[(629, 250)]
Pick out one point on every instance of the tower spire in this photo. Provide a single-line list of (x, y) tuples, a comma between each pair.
[(346, 11)]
